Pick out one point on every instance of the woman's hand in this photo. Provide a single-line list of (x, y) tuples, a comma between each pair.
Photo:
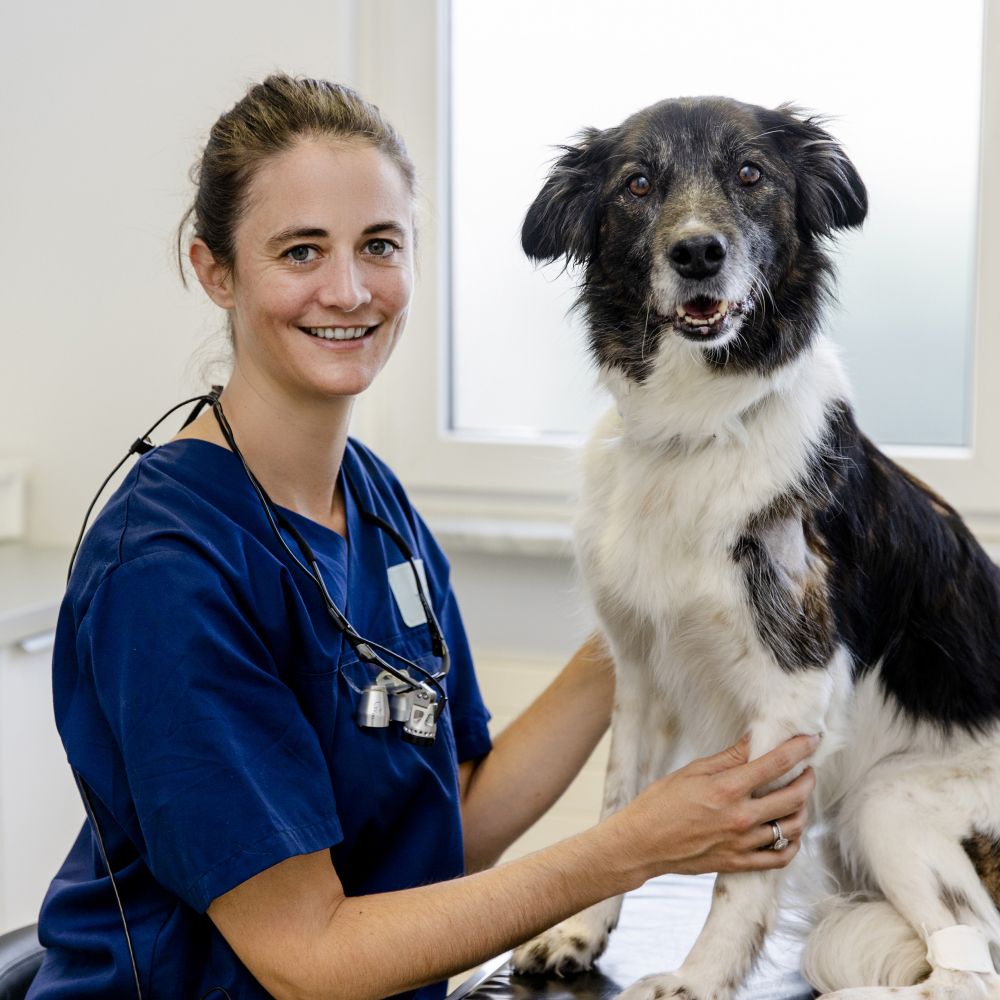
[(704, 817)]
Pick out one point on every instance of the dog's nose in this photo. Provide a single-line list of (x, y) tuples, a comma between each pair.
[(698, 256)]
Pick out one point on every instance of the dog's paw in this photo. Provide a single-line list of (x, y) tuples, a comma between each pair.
[(669, 986), (563, 950)]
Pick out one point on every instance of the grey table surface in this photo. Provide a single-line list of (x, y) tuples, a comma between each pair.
[(659, 923)]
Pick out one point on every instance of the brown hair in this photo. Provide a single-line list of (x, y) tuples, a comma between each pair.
[(268, 120)]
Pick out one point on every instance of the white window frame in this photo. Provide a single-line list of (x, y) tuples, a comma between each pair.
[(508, 493)]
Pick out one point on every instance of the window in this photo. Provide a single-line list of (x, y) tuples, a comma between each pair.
[(512, 83)]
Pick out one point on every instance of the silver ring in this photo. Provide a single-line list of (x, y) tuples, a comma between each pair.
[(780, 842)]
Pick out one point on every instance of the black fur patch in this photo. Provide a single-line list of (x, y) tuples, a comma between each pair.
[(903, 584), (910, 587), (792, 616)]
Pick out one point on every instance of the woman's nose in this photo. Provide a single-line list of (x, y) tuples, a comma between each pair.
[(343, 286)]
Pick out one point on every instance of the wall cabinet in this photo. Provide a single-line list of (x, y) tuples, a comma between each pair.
[(40, 808)]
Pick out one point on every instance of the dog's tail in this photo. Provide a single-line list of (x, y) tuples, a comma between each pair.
[(860, 941)]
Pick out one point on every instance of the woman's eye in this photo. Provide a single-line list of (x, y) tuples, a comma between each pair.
[(749, 174), (301, 254), (380, 248), (639, 185)]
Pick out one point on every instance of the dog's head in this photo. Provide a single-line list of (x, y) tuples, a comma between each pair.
[(701, 219)]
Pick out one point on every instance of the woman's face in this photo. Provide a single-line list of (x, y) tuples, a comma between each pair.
[(323, 270)]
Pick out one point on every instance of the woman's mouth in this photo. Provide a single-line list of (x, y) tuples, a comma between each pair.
[(337, 332)]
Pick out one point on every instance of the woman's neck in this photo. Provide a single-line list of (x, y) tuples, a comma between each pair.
[(294, 447)]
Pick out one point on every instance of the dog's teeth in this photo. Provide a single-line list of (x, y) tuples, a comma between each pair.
[(700, 321)]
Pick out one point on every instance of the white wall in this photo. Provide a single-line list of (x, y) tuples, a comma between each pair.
[(105, 108)]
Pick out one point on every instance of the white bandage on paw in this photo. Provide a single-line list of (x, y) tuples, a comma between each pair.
[(961, 948)]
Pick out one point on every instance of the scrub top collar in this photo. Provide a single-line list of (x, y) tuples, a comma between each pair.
[(220, 476)]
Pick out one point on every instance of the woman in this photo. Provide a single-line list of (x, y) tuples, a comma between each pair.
[(262, 841)]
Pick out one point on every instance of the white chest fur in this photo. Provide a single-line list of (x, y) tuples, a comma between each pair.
[(664, 504), (663, 507)]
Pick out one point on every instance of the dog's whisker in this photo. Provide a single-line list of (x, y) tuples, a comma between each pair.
[(759, 282), (645, 329)]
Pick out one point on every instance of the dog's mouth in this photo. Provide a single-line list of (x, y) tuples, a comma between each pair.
[(703, 316)]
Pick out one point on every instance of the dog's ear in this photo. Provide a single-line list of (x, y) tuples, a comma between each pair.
[(831, 192), (563, 219)]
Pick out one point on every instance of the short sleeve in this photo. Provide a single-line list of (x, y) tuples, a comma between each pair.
[(226, 774)]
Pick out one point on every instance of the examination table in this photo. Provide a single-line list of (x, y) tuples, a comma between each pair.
[(659, 923)]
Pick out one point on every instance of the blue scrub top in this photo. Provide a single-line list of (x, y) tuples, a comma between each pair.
[(209, 702)]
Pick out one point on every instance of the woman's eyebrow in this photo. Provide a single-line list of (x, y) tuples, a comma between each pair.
[(315, 233), (384, 227), (302, 232)]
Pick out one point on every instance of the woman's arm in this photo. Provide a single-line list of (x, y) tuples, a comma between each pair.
[(293, 927), (536, 757)]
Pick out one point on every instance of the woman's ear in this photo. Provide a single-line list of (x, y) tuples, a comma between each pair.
[(215, 278)]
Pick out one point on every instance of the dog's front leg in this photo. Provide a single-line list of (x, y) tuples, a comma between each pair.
[(744, 905), (642, 742)]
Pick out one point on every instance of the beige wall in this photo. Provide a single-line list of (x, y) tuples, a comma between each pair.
[(509, 680)]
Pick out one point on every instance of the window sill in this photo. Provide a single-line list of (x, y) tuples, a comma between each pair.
[(518, 525), (497, 536), (522, 527)]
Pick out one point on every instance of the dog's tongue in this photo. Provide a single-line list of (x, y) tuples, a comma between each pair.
[(701, 307)]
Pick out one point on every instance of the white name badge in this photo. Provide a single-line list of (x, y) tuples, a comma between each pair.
[(404, 589)]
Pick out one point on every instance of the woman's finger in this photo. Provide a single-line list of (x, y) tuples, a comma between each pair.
[(733, 756), (777, 762), (786, 800), (791, 827), (762, 860)]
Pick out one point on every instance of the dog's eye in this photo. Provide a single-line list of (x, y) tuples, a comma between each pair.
[(749, 174), (639, 186)]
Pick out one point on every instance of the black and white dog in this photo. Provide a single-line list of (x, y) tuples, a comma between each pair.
[(757, 563)]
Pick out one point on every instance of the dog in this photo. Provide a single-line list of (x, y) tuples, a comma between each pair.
[(758, 565)]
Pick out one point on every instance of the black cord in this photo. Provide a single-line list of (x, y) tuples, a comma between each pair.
[(437, 633), (139, 447), (364, 648), (114, 885), (86, 517)]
